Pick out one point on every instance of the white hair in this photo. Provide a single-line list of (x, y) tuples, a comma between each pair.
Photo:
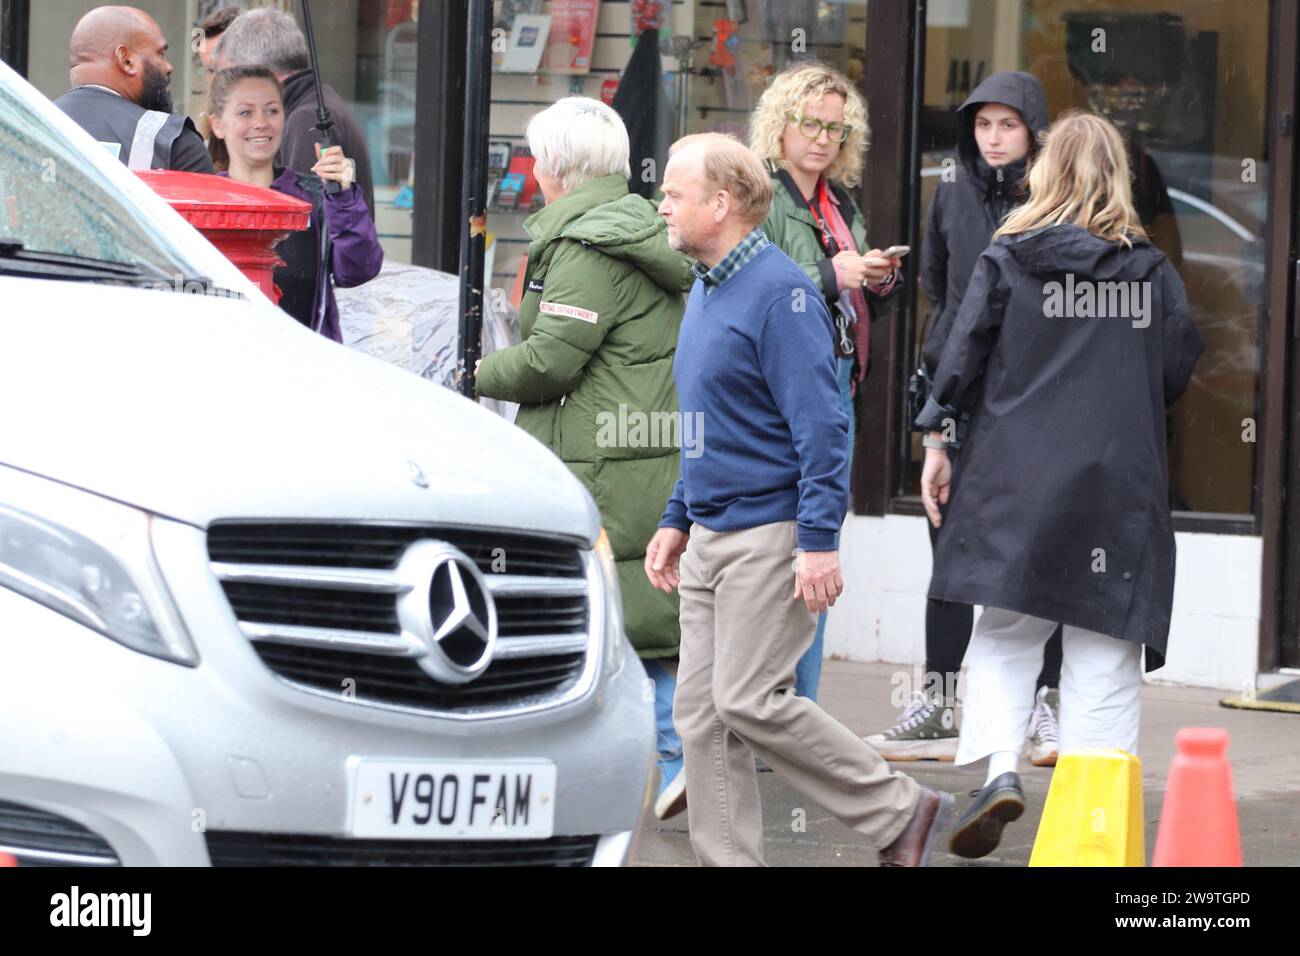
[(578, 139)]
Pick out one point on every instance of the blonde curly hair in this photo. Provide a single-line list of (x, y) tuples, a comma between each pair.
[(801, 83)]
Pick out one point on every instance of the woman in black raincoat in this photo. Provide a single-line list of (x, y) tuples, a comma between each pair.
[(1073, 336), (999, 124)]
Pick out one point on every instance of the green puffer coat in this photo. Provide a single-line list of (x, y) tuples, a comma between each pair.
[(599, 318)]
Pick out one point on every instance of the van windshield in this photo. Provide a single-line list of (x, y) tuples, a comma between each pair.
[(52, 201)]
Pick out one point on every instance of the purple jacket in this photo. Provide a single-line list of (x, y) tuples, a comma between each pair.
[(350, 246)]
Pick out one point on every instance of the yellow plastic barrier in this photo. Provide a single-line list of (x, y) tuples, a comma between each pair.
[(1093, 815)]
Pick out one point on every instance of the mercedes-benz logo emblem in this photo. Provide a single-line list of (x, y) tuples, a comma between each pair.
[(463, 633), (447, 611)]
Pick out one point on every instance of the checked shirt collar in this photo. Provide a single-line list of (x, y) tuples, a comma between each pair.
[(732, 262)]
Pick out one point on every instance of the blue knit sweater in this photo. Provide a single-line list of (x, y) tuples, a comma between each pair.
[(755, 374)]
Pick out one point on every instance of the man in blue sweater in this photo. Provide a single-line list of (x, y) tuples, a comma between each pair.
[(761, 504)]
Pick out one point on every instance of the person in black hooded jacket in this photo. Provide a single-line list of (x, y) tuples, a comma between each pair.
[(1000, 124), (1072, 339)]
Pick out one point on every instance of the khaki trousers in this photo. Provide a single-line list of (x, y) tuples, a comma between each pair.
[(742, 634)]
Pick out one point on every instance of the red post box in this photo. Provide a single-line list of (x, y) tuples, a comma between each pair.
[(244, 222)]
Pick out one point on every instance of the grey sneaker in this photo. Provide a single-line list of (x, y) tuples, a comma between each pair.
[(1044, 727), (925, 731)]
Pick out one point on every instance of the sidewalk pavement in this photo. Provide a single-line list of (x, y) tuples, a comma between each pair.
[(1264, 752)]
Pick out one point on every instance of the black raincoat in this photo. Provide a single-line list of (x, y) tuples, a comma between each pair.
[(1059, 503), (967, 210)]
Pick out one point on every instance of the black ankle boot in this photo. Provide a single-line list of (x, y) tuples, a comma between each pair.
[(979, 830)]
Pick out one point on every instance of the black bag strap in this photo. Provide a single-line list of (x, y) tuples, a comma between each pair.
[(846, 205), (824, 237)]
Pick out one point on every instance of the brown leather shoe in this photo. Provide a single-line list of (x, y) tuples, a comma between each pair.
[(912, 848)]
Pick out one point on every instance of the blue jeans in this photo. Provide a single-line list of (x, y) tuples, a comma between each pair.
[(808, 673), (669, 743)]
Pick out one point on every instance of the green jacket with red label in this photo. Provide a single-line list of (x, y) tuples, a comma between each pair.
[(593, 374)]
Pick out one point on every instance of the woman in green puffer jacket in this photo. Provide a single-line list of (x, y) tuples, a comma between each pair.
[(593, 376)]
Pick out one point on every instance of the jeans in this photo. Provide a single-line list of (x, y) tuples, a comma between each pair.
[(669, 743), (808, 672)]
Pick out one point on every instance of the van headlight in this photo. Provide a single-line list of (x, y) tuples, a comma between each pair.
[(90, 559), (614, 639)]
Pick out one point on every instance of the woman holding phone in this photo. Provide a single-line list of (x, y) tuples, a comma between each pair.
[(810, 129)]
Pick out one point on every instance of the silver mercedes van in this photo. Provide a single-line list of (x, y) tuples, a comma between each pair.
[(264, 600)]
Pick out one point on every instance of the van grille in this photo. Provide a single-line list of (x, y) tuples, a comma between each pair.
[(382, 546), (322, 604), (373, 678), (40, 838)]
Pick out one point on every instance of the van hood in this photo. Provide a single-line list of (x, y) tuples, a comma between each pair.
[(201, 409)]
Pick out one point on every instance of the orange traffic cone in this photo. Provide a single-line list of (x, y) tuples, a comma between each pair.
[(8, 859), (1198, 822)]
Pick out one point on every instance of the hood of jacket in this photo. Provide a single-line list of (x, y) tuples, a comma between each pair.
[(1021, 91), (1073, 249), (602, 213), (630, 228)]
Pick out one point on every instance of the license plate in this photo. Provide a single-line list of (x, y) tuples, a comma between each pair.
[(482, 800)]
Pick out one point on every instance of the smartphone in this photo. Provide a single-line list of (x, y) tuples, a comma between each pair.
[(893, 252)]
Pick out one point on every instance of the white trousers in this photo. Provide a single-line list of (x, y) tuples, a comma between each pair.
[(1101, 678)]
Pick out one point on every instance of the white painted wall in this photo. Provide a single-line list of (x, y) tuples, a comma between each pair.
[(1214, 635)]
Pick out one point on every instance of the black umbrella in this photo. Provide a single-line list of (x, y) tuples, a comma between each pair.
[(324, 124)]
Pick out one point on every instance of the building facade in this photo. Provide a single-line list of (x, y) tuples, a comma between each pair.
[(1206, 91)]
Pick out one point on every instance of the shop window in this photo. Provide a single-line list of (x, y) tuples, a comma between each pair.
[(1185, 80), (368, 54), (716, 58)]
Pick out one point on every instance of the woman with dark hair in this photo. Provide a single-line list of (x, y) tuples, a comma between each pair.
[(999, 124), (340, 246)]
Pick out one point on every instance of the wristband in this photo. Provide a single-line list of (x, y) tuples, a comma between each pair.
[(937, 443)]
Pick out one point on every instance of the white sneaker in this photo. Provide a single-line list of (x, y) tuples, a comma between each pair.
[(1044, 728)]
